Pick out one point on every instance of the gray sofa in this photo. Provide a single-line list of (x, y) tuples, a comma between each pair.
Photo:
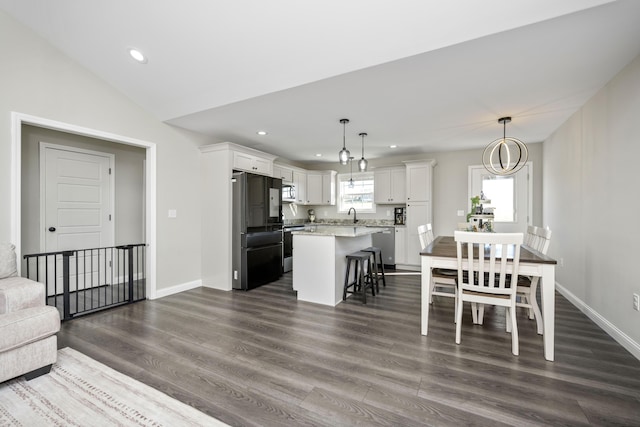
[(28, 327)]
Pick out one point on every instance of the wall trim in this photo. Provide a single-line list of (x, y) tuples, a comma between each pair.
[(623, 339), (165, 292)]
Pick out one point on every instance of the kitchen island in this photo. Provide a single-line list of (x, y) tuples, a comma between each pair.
[(319, 260)]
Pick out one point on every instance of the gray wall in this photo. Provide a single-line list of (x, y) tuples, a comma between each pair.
[(591, 203), (38, 80), (129, 191)]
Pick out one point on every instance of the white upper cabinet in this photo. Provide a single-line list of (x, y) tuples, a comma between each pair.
[(300, 182), (419, 180), (321, 188), (252, 163), (283, 172), (389, 185)]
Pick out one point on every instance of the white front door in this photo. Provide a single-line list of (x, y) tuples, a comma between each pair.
[(510, 195), (76, 205)]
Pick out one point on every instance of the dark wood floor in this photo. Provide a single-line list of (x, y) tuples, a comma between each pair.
[(261, 358)]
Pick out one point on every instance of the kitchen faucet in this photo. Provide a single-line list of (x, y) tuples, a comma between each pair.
[(354, 214)]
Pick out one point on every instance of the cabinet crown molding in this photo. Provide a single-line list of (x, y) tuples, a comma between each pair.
[(224, 146)]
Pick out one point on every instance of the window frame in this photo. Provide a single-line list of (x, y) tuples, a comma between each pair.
[(357, 176)]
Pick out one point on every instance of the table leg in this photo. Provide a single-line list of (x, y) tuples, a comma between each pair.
[(425, 293), (548, 293)]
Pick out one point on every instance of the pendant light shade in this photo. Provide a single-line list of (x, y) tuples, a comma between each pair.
[(362, 163), (344, 154), (506, 155)]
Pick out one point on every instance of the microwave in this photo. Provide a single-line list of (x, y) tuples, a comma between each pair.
[(288, 193)]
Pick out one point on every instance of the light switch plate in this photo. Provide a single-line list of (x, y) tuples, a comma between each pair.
[(173, 213), (460, 213)]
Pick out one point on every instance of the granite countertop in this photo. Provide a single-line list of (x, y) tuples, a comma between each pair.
[(342, 222), (337, 231)]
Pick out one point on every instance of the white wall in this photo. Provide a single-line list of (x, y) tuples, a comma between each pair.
[(38, 80), (591, 204)]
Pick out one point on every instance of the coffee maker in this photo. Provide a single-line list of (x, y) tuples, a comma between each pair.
[(398, 216)]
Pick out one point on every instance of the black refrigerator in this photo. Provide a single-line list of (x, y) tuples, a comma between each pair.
[(256, 231)]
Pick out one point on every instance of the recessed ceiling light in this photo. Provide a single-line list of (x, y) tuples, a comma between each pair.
[(262, 132), (137, 55), (393, 146), (318, 155)]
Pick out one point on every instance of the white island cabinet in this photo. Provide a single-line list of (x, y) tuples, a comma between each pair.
[(319, 260)]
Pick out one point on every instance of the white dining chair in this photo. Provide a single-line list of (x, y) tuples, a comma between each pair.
[(443, 281), (538, 239), (483, 277)]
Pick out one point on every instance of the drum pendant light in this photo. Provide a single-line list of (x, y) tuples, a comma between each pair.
[(344, 154), (506, 155), (362, 163)]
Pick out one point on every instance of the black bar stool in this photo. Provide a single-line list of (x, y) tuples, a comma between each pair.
[(379, 273), (362, 279)]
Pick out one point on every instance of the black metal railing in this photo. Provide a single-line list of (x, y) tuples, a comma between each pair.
[(84, 281)]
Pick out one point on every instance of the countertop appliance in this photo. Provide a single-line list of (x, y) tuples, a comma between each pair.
[(256, 231), (287, 251), (398, 216), (386, 241)]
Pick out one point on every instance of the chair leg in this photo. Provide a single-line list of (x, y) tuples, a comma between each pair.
[(384, 281), (362, 284), (514, 331), (346, 281), (459, 320), (534, 304)]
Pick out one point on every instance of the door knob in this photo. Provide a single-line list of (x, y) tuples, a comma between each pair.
[(52, 229)]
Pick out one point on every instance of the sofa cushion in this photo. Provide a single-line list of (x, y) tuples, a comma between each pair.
[(8, 266), (26, 326), (17, 293)]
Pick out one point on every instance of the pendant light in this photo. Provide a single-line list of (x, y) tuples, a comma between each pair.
[(362, 163), (506, 155), (351, 184), (344, 154)]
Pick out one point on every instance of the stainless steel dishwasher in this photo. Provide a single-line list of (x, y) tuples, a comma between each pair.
[(386, 241)]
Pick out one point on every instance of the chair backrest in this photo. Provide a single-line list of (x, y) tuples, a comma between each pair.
[(499, 251), (423, 235), (538, 238)]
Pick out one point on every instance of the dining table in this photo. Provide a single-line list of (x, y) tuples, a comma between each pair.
[(442, 253)]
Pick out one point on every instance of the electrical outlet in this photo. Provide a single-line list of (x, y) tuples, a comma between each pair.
[(561, 262), (636, 302)]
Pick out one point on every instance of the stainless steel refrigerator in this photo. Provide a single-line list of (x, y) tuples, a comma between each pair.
[(257, 230)]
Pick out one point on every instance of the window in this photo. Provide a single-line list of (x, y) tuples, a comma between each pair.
[(360, 196), (502, 191)]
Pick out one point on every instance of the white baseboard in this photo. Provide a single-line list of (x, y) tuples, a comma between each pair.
[(615, 333), (165, 292)]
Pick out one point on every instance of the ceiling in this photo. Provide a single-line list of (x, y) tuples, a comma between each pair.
[(426, 76)]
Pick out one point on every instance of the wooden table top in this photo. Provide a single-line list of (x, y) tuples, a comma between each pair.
[(445, 246)]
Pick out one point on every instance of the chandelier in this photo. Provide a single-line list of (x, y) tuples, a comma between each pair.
[(506, 155)]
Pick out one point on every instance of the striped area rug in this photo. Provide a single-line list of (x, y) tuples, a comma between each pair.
[(80, 391)]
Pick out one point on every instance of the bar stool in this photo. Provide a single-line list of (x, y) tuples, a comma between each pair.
[(362, 279), (377, 252)]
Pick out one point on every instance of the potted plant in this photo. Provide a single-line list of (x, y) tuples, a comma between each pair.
[(475, 202)]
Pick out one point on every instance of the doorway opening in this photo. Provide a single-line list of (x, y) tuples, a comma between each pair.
[(148, 208)]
